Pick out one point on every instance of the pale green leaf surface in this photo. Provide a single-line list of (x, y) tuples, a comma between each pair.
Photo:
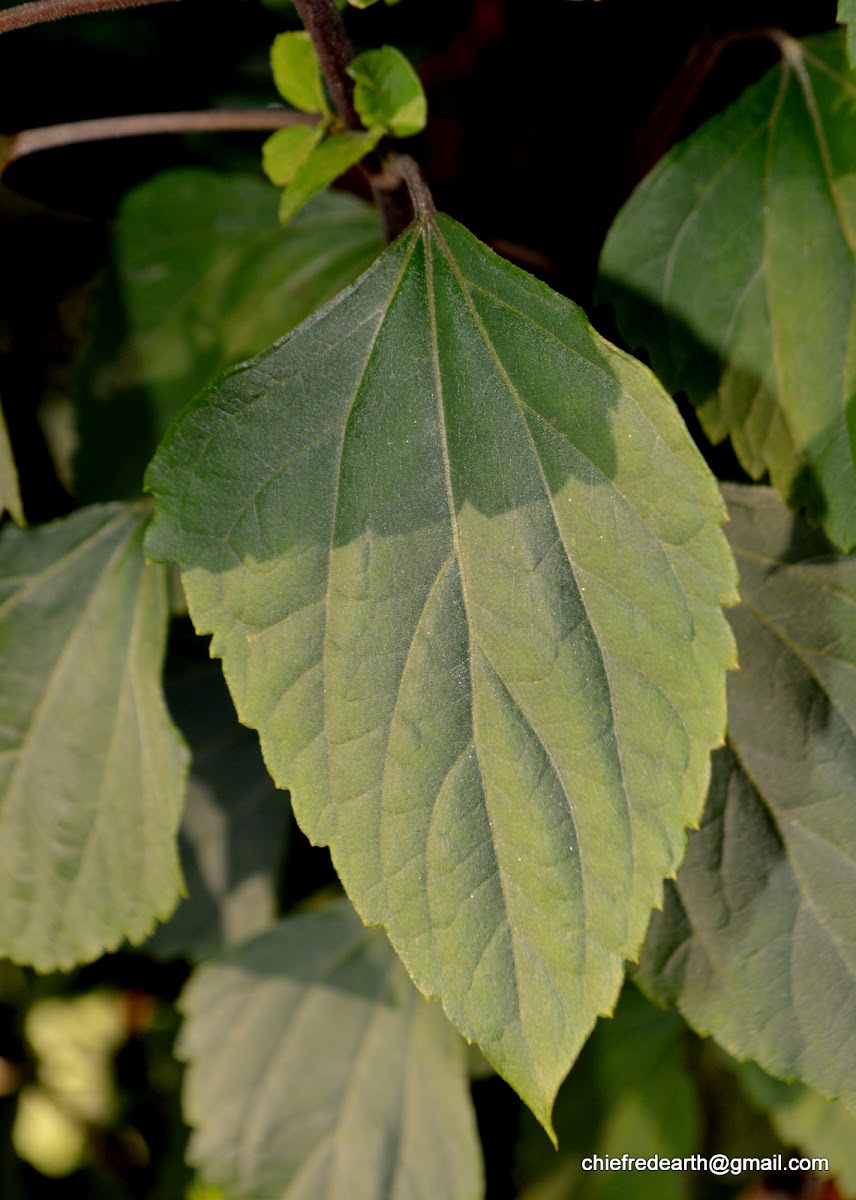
[(201, 276), (91, 768), (234, 830), (463, 565), (297, 72), (756, 942), (324, 164), (10, 493), (847, 16), (317, 1070), (287, 149), (733, 264), (388, 92), (801, 1118)]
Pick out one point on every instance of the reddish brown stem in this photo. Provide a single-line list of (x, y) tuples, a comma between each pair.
[(325, 26), (30, 141), (38, 11)]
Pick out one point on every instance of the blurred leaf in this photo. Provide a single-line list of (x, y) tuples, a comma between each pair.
[(343, 1082), (297, 72), (233, 835), (733, 263), (847, 16), (10, 495), (756, 940), (326, 162), (201, 276), (816, 1127), (91, 768), (287, 149), (388, 92), (466, 581)]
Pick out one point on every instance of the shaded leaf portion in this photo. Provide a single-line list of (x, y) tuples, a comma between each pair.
[(847, 16), (91, 767), (234, 830), (201, 276), (463, 565), (756, 942), (388, 92), (10, 493), (733, 263), (630, 1092), (316, 1070), (816, 1127)]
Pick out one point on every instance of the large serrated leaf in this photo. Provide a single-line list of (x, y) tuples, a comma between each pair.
[(733, 263), (756, 943), (317, 1070), (463, 565), (234, 830), (201, 276), (91, 768)]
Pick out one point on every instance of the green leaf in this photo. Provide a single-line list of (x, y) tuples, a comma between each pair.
[(297, 72), (847, 16), (317, 1070), (201, 276), (463, 565), (326, 162), (287, 149), (10, 493), (756, 942), (388, 92), (234, 831), (733, 263), (91, 768)]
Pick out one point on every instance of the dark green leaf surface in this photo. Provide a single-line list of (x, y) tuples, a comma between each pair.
[(317, 1070), (234, 830), (463, 565), (91, 768), (733, 263), (201, 277), (10, 494), (756, 943)]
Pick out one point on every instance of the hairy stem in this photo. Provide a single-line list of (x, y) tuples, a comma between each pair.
[(325, 26), (38, 11), (30, 141)]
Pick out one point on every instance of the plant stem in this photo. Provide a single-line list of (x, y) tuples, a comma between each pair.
[(404, 169), (30, 141), (325, 26), (38, 11)]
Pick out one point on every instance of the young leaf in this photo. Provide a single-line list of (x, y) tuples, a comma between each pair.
[(201, 276), (733, 263), (287, 149), (91, 768), (297, 72), (388, 92), (10, 493), (234, 831), (325, 163), (756, 942), (847, 16), (343, 1082), (463, 565)]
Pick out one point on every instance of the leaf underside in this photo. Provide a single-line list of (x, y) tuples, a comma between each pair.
[(734, 264), (756, 943), (91, 767), (317, 1070), (464, 568)]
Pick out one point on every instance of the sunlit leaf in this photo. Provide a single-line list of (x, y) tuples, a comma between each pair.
[(234, 831), (733, 264), (91, 768), (201, 276), (756, 943), (285, 151), (297, 72), (324, 164), (464, 567), (847, 16), (316, 1069), (388, 92)]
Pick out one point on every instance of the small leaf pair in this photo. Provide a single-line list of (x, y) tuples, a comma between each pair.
[(305, 159)]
